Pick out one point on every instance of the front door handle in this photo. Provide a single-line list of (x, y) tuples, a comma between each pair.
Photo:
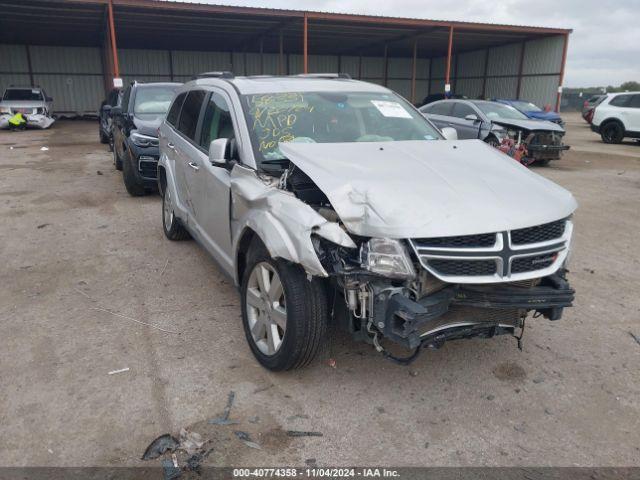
[(171, 145), (194, 165)]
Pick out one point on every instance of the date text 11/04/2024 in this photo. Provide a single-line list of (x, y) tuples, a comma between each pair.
[(315, 472)]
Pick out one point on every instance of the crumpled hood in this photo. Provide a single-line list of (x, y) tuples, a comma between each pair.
[(148, 123), (410, 189), (529, 124), (22, 104)]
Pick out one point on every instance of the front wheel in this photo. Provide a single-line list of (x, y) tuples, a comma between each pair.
[(283, 313), (612, 132)]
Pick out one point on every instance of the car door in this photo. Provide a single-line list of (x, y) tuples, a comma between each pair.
[(467, 129), (210, 185), (167, 139), (634, 114), (439, 113), (183, 149)]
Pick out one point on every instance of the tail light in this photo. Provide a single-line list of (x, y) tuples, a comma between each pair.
[(589, 116), (585, 104)]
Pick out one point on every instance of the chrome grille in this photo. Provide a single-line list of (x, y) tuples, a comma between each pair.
[(510, 256)]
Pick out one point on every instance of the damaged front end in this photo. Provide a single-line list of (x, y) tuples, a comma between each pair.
[(420, 293), (527, 146)]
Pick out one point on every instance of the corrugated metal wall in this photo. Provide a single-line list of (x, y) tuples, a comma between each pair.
[(74, 76)]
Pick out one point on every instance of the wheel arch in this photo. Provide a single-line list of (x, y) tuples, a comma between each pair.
[(612, 120)]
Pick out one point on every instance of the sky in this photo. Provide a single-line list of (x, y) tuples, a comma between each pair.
[(604, 48)]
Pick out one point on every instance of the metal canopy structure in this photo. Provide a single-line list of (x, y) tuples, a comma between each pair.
[(112, 25)]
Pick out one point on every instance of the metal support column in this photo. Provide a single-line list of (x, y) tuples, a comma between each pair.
[(561, 79), (386, 65), (305, 45), (520, 68), (112, 36), (413, 70), (449, 49), (281, 54)]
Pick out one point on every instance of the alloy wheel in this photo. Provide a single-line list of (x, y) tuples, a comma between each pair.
[(167, 209), (266, 308)]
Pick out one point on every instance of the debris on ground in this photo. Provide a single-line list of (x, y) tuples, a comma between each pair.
[(42, 225), (635, 337), (99, 172), (262, 389), (296, 417), (297, 433), (169, 470), (245, 438), (190, 442), (254, 419), (122, 370), (332, 363), (135, 320), (44, 149), (164, 443), (224, 418)]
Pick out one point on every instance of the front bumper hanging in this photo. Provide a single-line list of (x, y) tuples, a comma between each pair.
[(462, 311)]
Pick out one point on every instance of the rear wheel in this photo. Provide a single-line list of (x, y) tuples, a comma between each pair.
[(612, 132), (283, 313), (171, 225)]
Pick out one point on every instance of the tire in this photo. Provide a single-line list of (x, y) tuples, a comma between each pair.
[(612, 132), (133, 184), (117, 161), (542, 163), (103, 138), (492, 141), (171, 225), (300, 305)]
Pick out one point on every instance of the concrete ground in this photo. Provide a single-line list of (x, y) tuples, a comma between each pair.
[(81, 262)]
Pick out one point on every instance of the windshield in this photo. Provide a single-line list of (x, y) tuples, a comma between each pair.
[(22, 95), (330, 117), (495, 110), (526, 106), (154, 100)]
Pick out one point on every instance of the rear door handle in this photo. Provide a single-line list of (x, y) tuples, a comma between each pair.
[(194, 165)]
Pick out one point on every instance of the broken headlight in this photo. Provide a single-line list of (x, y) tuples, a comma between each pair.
[(144, 140), (5, 110), (387, 257)]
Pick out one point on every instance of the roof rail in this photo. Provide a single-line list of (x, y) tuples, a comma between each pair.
[(221, 74), (323, 75)]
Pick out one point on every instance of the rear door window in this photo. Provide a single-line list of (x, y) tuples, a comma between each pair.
[(461, 110), (442, 108), (190, 113), (621, 101), (635, 101), (174, 111)]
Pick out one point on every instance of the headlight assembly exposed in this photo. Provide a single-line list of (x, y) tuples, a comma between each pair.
[(387, 257), (143, 140)]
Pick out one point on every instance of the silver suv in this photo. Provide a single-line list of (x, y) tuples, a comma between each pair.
[(331, 201)]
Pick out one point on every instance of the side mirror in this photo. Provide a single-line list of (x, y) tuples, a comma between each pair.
[(218, 152), (116, 111), (450, 133), (471, 117)]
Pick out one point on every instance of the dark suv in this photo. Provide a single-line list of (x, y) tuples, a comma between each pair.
[(135, 133)]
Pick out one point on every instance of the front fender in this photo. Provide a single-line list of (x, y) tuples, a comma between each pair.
[(283, 223)]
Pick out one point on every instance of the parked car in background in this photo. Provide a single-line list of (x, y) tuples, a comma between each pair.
[(617, 117), (32, 103), (590, 105), (531, 110), (135, 133), (495, 123), (434, 97), (105, 119), (333, 200)]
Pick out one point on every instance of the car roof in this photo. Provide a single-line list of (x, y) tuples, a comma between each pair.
[(615, 94), (281, 84), (157, 84), (22, 87)]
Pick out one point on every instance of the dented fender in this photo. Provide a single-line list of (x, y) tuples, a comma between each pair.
[(283, 223)]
